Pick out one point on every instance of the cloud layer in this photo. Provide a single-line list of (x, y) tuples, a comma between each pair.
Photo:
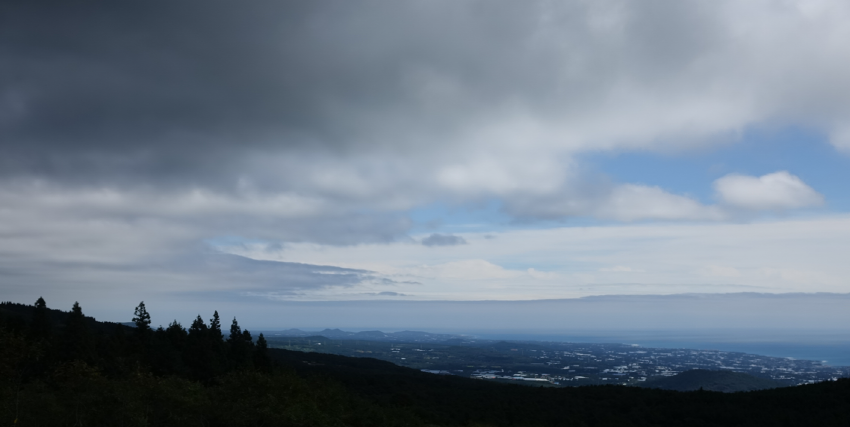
[(390, 106), (134, 137), (437, 239)]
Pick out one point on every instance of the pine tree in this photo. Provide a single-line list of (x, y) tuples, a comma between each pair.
[(239, 350), (40, 327), (198, 354), (248, 348), (198, 327), (76, 341), (261, 354), (235, 332), (176, 335), (215, 328), (218, 348), (142, 319)]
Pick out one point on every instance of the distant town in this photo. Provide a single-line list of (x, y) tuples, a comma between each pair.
[(550, 364)]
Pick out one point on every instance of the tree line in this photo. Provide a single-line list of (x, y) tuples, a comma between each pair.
[(64, 368), (201, 352)]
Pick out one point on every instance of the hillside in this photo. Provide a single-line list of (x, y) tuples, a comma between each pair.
[(452, 400), (203, 377), (722, 381)]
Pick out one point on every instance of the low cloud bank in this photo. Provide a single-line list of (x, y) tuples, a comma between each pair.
[(443, 240)]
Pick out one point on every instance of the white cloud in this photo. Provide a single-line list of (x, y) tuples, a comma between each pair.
[(721, 271), (840, 137), (776, 256), (778, 190), (542, 275), (471, 269), (619, 269), (631, 202)]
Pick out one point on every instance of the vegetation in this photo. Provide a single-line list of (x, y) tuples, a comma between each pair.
[(64, 369)]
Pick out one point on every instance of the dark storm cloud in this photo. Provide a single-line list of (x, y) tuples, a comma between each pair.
[(443, 240), (181, 91)]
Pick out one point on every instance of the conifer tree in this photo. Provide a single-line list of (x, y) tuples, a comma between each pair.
[(240, 354), (198, 354), (248, 347), (142, 334), (215, 328), (198, 327), (142, 319), (40, 327), (176, 335), (76, 340), (261, 354), (235, 332), (218, 357)]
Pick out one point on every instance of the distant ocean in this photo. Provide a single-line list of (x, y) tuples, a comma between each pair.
[(831, 348)]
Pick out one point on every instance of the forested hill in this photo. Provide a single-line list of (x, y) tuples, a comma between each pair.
[(58, 370), (23, 314)]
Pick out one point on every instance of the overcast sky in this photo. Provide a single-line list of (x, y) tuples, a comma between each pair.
[(213, 151)]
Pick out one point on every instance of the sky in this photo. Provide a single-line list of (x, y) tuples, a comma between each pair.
[(254, 155)]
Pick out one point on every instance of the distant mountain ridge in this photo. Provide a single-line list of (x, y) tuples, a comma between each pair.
[(338, 334), (723, 381)]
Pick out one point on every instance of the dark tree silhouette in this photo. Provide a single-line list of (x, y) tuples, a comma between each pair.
[(239, 343), (176, 335), (198, 327), (40, 327), (142, 319), (261, 354), (215, 327), (202, 351), (76, 341), (235, 332), (248, 342)]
